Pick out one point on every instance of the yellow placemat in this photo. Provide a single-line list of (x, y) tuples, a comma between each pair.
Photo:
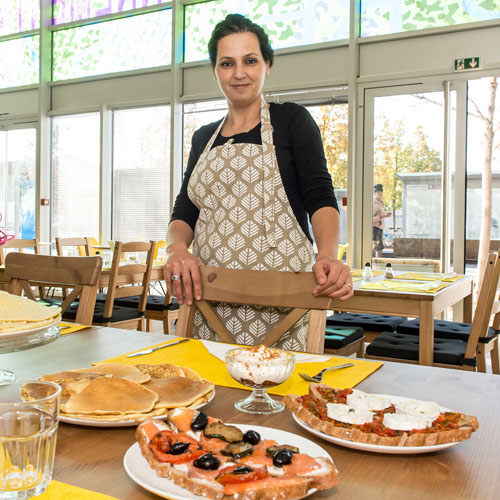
[(71, 327), (359, 272), (355, 279), (404, 287), (430, 277), (62, 491), (193, 354)]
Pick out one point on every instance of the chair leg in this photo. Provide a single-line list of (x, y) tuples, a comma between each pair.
[(481, 359), (495, 357), (166, 323), (149, 324)]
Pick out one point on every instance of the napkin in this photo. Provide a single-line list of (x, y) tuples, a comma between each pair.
[(71, 327), (62, 491), (430, 287), (449, 277), (195, 355)]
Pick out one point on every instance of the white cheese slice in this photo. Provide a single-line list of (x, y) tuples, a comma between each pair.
[(403, 422), (427, 410), (348, 414), (362, 400)]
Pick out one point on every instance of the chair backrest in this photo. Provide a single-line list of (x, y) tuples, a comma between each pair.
[(83, 245), (486, 305), (80, 273), (262, 288), (19, 244), (138, 273), (341, 250)]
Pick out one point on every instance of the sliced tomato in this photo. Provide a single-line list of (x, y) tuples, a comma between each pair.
[(162, 442), (228, 475)]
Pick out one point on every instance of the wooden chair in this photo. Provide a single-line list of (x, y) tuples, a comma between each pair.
[(82, 244), (80, 273), (108, 313), (453, 352), (264, 288), (20, 245)]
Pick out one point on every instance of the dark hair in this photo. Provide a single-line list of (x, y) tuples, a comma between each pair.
[(377, 188), (236, 23)]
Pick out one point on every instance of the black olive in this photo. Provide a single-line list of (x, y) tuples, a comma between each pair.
[(207, 462), (282, 457), (178, 448), (242, 469), (199, 422), (252, 437)]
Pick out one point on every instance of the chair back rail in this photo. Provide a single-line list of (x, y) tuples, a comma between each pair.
[(141, 273), (262, 288), (80, 273), (83, 243)]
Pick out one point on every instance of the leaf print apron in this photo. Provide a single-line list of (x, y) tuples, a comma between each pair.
[(246, 222)]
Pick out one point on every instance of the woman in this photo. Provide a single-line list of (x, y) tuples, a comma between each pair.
[(251, 181), (379, 214)]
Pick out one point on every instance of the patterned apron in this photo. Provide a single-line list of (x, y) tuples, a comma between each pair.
[(246, 222)]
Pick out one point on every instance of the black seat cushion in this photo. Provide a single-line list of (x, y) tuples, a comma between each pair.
[(403, 346), (338, 337), (155, 302), (119, 313), (444, 330), (369, 322)]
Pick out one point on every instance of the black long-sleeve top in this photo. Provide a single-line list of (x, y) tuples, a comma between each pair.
[(301, 162)]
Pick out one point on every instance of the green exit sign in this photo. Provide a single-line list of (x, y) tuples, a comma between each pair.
[(467, 63)]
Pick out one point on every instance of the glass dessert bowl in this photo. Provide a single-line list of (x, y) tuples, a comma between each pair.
[(259, 367)]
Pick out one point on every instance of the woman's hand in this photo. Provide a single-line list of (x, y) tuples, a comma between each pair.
[(334, 279), (182, 270)]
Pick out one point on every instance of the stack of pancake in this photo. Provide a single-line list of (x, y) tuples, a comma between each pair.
[(114, 392), (20, 314)]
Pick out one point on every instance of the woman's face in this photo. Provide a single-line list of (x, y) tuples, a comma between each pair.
[(240, 69)]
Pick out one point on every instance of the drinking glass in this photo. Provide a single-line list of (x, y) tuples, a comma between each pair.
[(29, 413)]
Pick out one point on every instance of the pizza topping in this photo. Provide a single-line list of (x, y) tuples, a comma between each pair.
[(179, 447), (272, 450), (252, 437), (348, 414), (199, 422), (402, 422), (364, 401), (282, 457), (207, 462), (421, 409), (228, 433), (237, 450), (173, 448), (241, 474)]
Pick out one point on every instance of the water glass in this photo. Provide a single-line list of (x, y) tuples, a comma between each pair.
[(29, 413)]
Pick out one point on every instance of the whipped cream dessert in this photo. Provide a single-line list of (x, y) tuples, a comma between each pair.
[(259, 366)]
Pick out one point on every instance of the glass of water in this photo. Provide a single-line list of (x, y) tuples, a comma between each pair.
[(29, 414)]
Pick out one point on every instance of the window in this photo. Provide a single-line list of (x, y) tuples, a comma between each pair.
[(75, 176), (288, 23), (68, 11), (142, 41), (19, 57), (141, 173), (17, 182), (381, 17)]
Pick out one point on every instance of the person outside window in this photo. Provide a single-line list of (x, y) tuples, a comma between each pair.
[(253, 181), (379, 214)]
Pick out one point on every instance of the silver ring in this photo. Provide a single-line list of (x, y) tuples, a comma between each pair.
[(176, 277), (349, 285)]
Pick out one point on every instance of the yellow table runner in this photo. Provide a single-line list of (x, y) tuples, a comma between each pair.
[(193, 354), (430, 276), (405, 287), (359, 272), (62, 491), (71, 327)]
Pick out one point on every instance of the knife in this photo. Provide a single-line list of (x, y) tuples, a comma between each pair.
[(153, 349)]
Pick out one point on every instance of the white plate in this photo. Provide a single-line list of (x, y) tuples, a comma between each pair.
[(140, 471), (4, 336), (393, 450), (119, 423)]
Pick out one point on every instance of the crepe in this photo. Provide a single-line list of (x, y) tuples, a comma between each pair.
[(176, 392), (165, 370), (128, 372), (19, 313), (109, 395)]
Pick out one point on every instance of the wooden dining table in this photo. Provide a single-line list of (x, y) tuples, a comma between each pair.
[(92, 457), (416, 304)]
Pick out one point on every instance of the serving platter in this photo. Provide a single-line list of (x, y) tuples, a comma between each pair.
[(4, 336), (393, 450), (19, 341), (140, 471), (120, 423)]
